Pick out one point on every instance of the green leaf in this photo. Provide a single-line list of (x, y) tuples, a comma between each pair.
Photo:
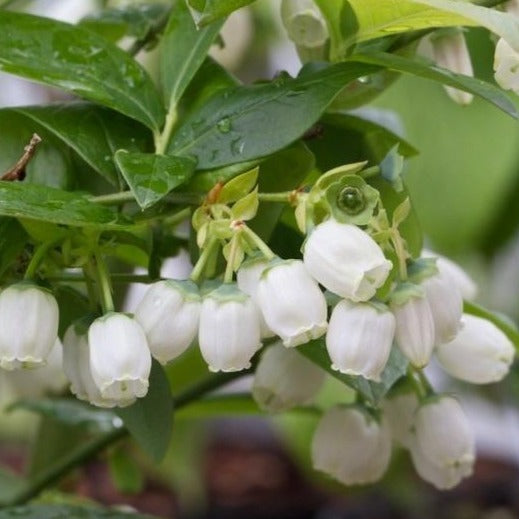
[(126, 474), (150, 419), (426, 70), (93, 132), (395, 369), (10, 484), (207, 11), (247, 207), (239, 186), (379, 137), (353, 21), (77, 60), (50, 511), (12, 241), (245, 123), (132, 20), (501, 23), (70, 412), (151, 177), (47, 204), (504, 323), (183, 50)]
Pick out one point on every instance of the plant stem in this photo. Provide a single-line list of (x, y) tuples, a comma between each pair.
[(87, 278), (283, 196), (229, 270), (37, 258), (260, 244), (115, 278), (162, 140), (104, 285), (198, 269), (75, 459)]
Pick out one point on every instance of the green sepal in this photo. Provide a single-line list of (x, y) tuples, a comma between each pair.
[(421, 269), (226, 293), (406, 291)]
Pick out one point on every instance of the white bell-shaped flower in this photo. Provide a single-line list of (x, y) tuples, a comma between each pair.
[(120, 360), (304, 22), (29, 318), (446, 304), (346, 260), (399, 412), (292, 303), (76, 365), (506, 66), (415, 332), (480, 354), (229, 332), (359, 338), (443, 449), (351, 446), (450, 52), (455, 273), (285, 379), (169, 314), (248, 277)]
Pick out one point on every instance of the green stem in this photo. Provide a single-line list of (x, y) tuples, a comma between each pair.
[(115, 278), (229, 270), (207, 252), (283, 196), (420, 383), (177, 218), (104, 285), (84, 453), (162, 140), (259, 243), (87, 278), (37, 258)]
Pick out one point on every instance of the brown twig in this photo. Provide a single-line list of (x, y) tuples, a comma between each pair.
[(17, 172)]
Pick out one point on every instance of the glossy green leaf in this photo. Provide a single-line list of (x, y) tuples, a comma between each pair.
[(245, 123), (207, 11), (12, 241), (71, 412), (427, 70), (22, 200), (395, 369), (131, 20), (352, 21), (183, 50), (496, 21), (77, 60), (151, 177), (50, 511), (93, 132), (150, 419), (504, 323)]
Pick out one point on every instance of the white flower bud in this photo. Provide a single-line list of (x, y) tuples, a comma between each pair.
[(399, 411), (248, 277), (304, 23), (415, 333), (229, 332), (451, 52), (169, 314), (506, 66), (120, 360), (351, 446), (76, 365), (359, 338), (481, 353), (455, 273), (443, 450), (292, 303), (446, 304), (29, 318), (346, 260), (285, 379)]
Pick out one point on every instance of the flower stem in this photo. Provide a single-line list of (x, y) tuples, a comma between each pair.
[(207, 252), (284, 196), (104, 285), (119, 277), (229, 270), (260, 244), (37, 258)]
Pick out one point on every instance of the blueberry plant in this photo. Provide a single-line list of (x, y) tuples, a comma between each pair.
[(308, 259)]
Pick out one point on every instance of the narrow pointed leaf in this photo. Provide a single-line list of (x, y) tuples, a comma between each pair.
[(151, 177), (207, 11)]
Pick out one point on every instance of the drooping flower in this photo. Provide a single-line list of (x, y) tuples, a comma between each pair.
[(415, 332), (346, 260), (229, 332), (304, 23), (480, 354), (359, 338), (292, 303), (506, 66), (351, 446), (29, 318), (285, 379), (120, 360), (450, 52), (169, 314)]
